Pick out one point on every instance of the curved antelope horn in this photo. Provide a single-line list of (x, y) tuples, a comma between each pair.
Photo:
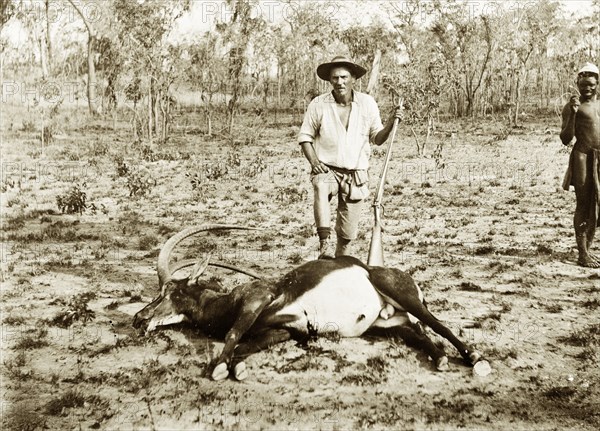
[(198, 270), (191, 262), (164, 274)]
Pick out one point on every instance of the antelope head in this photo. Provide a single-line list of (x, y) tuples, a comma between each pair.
[(182, 298), (178, 300)]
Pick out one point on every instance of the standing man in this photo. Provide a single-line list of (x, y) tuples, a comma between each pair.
[(581, 119), (335, 136)]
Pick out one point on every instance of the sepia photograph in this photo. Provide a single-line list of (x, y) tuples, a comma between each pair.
[(299, 215)]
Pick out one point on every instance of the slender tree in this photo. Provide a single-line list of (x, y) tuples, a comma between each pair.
[(466, 43), (27, 13), (237, 33), (91, 65), (152, 63), (48, 33)]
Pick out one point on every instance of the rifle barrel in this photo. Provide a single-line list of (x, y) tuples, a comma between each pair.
[(388, 156)]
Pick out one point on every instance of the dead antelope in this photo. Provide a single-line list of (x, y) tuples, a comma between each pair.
[(341, 295)]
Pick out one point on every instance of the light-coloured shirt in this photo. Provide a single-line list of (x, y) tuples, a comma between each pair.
[(334, 145)]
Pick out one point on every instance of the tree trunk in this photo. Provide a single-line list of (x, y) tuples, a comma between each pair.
[(517, 100), (266, 91), (134, 121), (39, 39), (134, 125), (429, 130), (207, 108), (43, 58), (419, 147), (111, 93), (164, 112), (278, 107), (372, 86), (157, 122), (91, 84), (48, 37), (469, 108), (150, 134)]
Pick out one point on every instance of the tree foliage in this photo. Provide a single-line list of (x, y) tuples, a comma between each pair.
[(7, 11), (442, 57), (152, 64)]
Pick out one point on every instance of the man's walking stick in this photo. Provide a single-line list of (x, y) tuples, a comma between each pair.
[(376, 247)]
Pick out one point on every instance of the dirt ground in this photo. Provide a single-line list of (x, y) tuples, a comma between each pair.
[(488, 237)]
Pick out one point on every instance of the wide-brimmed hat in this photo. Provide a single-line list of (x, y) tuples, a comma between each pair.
[(324, 70), (589, 68)]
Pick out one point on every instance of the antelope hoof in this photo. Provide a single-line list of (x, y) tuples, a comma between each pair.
[(474, 357), (240, 372), (442, 364), (220, 372)]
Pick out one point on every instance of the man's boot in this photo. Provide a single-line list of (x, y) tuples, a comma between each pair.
[(326, 249)]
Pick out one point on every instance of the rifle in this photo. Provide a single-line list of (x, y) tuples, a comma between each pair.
[(376, 246)]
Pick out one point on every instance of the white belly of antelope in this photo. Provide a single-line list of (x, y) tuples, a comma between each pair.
[(343, 302)]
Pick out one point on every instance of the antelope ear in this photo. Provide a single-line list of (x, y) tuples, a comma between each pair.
[(163, 288), (198, 270)]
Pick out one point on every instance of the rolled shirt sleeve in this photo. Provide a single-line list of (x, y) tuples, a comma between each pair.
[(310, 124), (376, 124)]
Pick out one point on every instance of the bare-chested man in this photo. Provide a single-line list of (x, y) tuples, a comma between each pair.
[(581, 119)]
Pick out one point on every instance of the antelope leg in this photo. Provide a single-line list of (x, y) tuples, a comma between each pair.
[(413, 335), (261, 341), (252, 305), (401, 289)]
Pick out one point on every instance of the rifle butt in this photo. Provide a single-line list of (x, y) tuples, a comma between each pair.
[(376, 247)]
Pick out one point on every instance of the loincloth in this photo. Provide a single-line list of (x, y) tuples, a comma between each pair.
[(568, 181)]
